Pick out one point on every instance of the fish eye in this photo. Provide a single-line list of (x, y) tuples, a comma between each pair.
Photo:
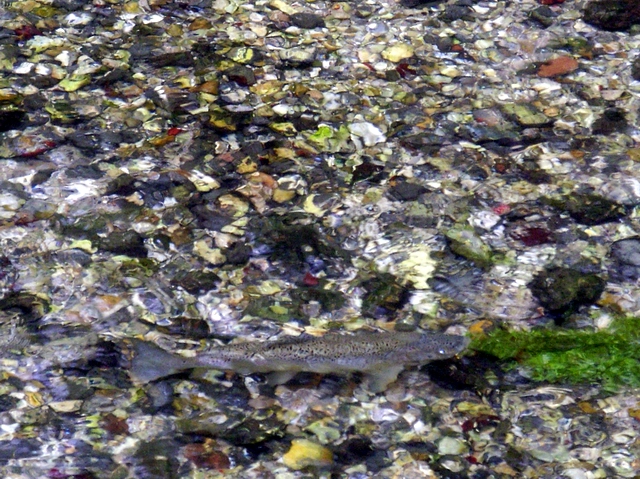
[(441, 351)]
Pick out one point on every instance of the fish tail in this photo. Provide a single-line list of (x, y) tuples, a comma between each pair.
[(150, 362)]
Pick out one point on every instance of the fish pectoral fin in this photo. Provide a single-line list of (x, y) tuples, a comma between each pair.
[(280, 377), (377, 381)]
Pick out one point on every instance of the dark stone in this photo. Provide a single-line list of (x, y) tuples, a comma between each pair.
[(612, 120), (107, 355), (531, 171), (383, 294), (589, 208), (307, 20), (481, 134), (422, 450), (196, 282), (12, 119), (160, 395), (152, 303), (42, 81), (329, 300), (354, 450), (544, 15), (194, 328), (612, 15), (444, 44), (241, 74), (253, 148), (263, 307), (238, 254), (19, 449), (8, 402), (91, 172), (392, 75), (35, 102), (294, 243), (75, 257), (166, 185), (477, 172), (428, 143), (109, 140), (209, 218), (69, 5), (178, 59), (563, 290), (456, 12), (452, 374), (363, 11), (421, 3), (41, 176), (6, 34), (157, 459), (118, 74), (15, 189), (127, 243), (30, 307), (626, 256), (405, 191), (121, 185), (256, 430), (85, 140), (635, 69), (131, 136), (367, 171)]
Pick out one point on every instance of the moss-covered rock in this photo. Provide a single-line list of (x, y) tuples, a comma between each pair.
[(563, 290), (383, 292), (465, 242), (588, 208), (609, 357)]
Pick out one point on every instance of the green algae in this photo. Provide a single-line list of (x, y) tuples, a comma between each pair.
[(609, 357)]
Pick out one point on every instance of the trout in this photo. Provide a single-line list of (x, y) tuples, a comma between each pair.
[(379, 356)]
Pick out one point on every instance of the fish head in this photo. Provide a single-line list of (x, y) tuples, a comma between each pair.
[(430, 347)]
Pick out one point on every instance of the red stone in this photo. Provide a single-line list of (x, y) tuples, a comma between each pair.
[(501, 209), (534, 236), (558, 66), (27, 32), (310, 280), (202, 456)]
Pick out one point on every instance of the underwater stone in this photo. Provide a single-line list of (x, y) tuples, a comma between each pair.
[(466, 243), (307, 20), (128, 243), (589, 208), (304, 453), (196, 282), (626, 254), (564, 290), (613, 15)]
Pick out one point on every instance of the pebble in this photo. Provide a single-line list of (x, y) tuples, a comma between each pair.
[(612, 15), (307, 20), (397, 52), (626, 254), (558, 66), (304, 453)]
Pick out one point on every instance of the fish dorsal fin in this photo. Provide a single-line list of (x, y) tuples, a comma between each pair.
[(283, 341)]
